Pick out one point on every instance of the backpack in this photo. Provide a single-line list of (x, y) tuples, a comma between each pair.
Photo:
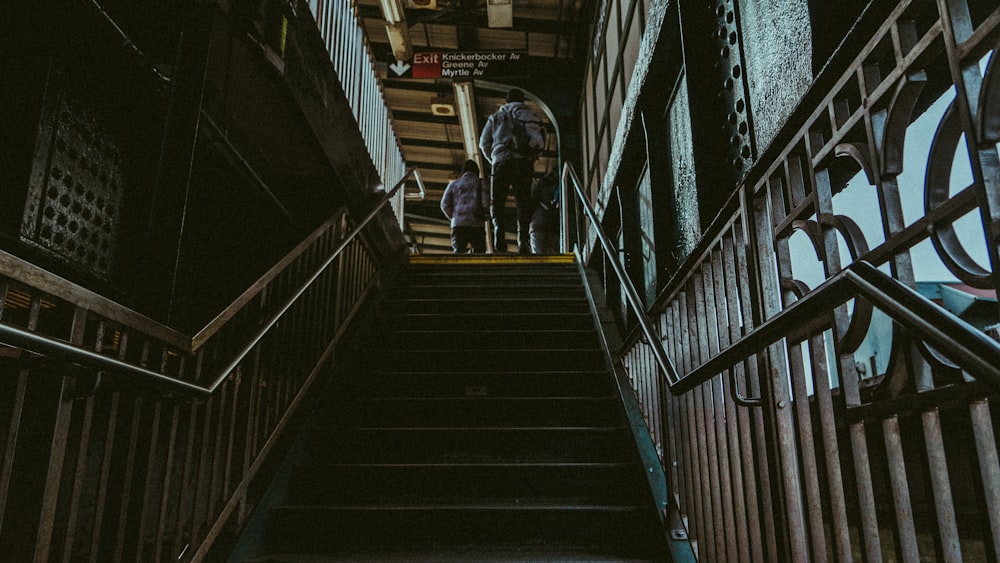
[(528, 135)]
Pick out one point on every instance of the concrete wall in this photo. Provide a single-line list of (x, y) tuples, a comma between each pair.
[(777, 42)]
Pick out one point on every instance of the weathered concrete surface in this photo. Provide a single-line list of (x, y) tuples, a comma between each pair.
[(777, 40), (688, 228)]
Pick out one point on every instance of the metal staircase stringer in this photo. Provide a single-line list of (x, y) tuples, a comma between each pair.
[(680, 548)]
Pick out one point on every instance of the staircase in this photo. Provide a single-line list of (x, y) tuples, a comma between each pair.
[(480, 424)]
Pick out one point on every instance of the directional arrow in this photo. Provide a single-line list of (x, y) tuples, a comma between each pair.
[(400, 67)]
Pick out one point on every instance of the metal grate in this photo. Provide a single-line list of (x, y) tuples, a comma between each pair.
[(73, 201)]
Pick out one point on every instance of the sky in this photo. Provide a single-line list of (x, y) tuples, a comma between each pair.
[(859, 202)]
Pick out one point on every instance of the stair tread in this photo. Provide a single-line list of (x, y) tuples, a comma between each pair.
[(489, 329), (526, 464), (511, 447), (477, 505), (493, 555), (482, 399), (504, 373), (548, 429), (582, 314)]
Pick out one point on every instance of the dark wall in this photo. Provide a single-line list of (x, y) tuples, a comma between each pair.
[(169, 164)]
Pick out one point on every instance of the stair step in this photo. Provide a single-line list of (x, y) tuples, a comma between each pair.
[(472, 360), (477, 421), (472, 445), (485, 383), (504, 304), (463, 483), (497, 321), (482, 411), (313, 529), (546, 288), (491, 554), (491, 273), (486, 337)]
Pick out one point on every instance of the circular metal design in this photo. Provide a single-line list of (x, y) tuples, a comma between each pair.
[(989, 102), (857, 328), (937, 192)]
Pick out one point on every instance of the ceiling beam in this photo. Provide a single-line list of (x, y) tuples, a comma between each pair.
[(418, 85), (421, 117), (478, 20), (431, 144)]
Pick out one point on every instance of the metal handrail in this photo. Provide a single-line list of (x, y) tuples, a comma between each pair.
[(45, 345), (419, 196), (631, 294), (970, 348)]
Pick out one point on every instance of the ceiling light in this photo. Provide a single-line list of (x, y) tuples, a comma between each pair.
[(442, 107), (500, 13), (392, 10), (467, 118)]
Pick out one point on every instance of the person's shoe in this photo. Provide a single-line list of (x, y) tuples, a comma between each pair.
[(523, 249)]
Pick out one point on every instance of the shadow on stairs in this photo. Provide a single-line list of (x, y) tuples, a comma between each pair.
[(478, 422)]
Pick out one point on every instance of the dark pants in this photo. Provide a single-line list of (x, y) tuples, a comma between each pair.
[(463, 237), (515, 175), (544, 242)]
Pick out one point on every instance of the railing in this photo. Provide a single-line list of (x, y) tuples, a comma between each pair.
[(126, 441), (339, 25), (968, 347), (847, 457)]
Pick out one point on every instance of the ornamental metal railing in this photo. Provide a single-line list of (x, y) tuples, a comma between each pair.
[(825, 407)]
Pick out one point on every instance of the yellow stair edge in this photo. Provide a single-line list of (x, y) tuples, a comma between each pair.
[(497, 259)]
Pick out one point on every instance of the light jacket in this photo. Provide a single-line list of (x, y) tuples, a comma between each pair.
[(497, 141), (459, 200)]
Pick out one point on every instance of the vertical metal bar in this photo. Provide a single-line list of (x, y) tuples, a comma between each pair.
[(185, 504), (989, 468), (102, 486), (4, 289), (828, 427), (227, 481), (784, 437), (149, 482), (675, 432), (78, 484), (339, 310), (86, 431), (166, 495), (900, 490), (807, 442), (687, 427), (944, 506), (203, 483), (215, 486), (736, 280), (126, 496), (57, 449), (53, 481), (707, 528), (259, 393), (13, 430), (704, 304), (766, 547), (849, 384), (691, 422), (736, 512), (249, 450)]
